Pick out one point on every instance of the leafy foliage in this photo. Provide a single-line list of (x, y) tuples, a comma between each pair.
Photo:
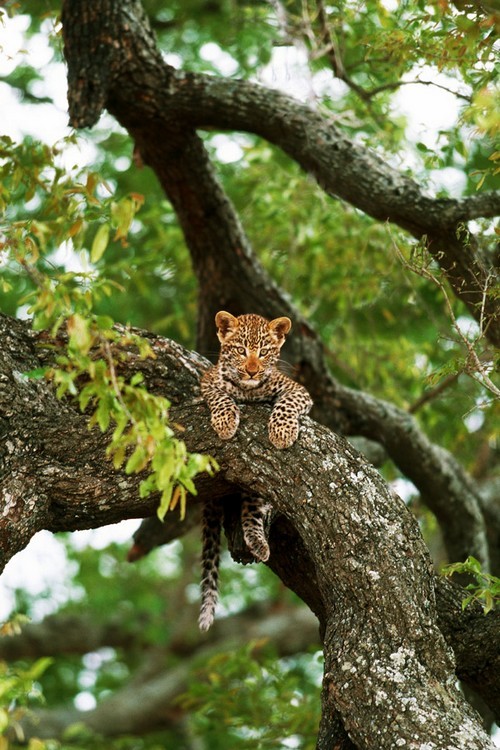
[(485, 590), (231, 689), (19, 688), (67, 209), (110, 590)]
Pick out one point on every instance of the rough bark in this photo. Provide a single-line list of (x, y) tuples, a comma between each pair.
[(475, 642), (367, 571)]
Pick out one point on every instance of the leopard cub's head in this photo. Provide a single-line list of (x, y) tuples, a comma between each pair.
[(250, 346)]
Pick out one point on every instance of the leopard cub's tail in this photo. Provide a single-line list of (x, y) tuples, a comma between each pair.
[(211, 533)]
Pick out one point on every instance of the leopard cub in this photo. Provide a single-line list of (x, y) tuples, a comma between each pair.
[(247, 371)]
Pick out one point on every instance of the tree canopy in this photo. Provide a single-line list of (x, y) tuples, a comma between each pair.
[(334, 163)]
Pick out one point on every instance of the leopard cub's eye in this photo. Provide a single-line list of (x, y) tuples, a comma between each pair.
[(264, 351), (241, 350)]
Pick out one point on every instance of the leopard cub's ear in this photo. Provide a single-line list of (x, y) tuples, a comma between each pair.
[(226, 325), (280, 327)]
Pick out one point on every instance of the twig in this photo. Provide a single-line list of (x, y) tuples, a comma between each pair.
[(433, 393), (114, 381)]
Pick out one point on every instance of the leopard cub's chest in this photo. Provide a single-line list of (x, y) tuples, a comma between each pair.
[(263, 388)]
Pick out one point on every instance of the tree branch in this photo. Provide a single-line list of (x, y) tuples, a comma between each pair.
[(474, 638), (230, 276), (64, 634), (169, 103), (291, 629), (357, 542)]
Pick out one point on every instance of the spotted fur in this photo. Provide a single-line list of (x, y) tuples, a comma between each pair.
[(254, 511), (246, 371)]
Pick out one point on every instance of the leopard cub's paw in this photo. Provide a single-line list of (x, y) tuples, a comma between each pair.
[(283, 434), (225, 425), (258, 546)]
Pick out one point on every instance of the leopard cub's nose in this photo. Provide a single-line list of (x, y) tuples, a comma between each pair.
[(252, 367)]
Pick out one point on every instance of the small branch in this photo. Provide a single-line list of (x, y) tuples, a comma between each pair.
[(332, 50), (433, 393), (398, 84), (485, 205)]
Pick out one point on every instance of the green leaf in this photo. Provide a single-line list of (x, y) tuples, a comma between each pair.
[(4, 716), (99, 243), (137, 461), (103, 415), (164, 506), (104, 322), (38, 373), (137, 378), (80, 337), (39, 667), (123, 214)]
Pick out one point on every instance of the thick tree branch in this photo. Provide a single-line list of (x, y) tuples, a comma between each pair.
[(231, 277), (350, 172), (291, 629), (473, 636), (65, 634), (367, 570), (169, 102), (474, 639)]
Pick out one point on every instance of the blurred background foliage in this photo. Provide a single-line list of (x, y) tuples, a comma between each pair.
[(386, 330)]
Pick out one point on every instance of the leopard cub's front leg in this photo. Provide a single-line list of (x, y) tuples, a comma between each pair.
[(284, 421), (224, 410)]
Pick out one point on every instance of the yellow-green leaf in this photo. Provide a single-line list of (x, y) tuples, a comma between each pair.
[(100, 243), (80, 337)]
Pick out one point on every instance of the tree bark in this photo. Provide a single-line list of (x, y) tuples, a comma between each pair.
[(359, 561)]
